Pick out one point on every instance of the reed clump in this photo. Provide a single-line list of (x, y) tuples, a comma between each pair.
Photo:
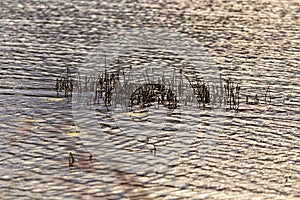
[(200, 89), (94, 88), (99, 88), (65, 83), (149, 93), (106, 83), (257, 99), (232, 92)]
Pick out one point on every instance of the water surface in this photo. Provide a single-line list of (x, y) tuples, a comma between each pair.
[(256, 44)]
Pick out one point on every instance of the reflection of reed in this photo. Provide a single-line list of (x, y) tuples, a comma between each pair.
[(134, 188)]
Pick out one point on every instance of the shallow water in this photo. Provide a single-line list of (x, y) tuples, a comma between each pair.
[(255, 151)]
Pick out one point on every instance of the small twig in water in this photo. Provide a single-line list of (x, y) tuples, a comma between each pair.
[(268, 96), (71, 159)]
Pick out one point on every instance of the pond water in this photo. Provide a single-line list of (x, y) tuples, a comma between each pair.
[(190, 152)]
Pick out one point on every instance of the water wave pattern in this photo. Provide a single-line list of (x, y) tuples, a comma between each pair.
[(255, 44)]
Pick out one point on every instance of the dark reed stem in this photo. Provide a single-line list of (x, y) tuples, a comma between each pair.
[(71, 160)]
